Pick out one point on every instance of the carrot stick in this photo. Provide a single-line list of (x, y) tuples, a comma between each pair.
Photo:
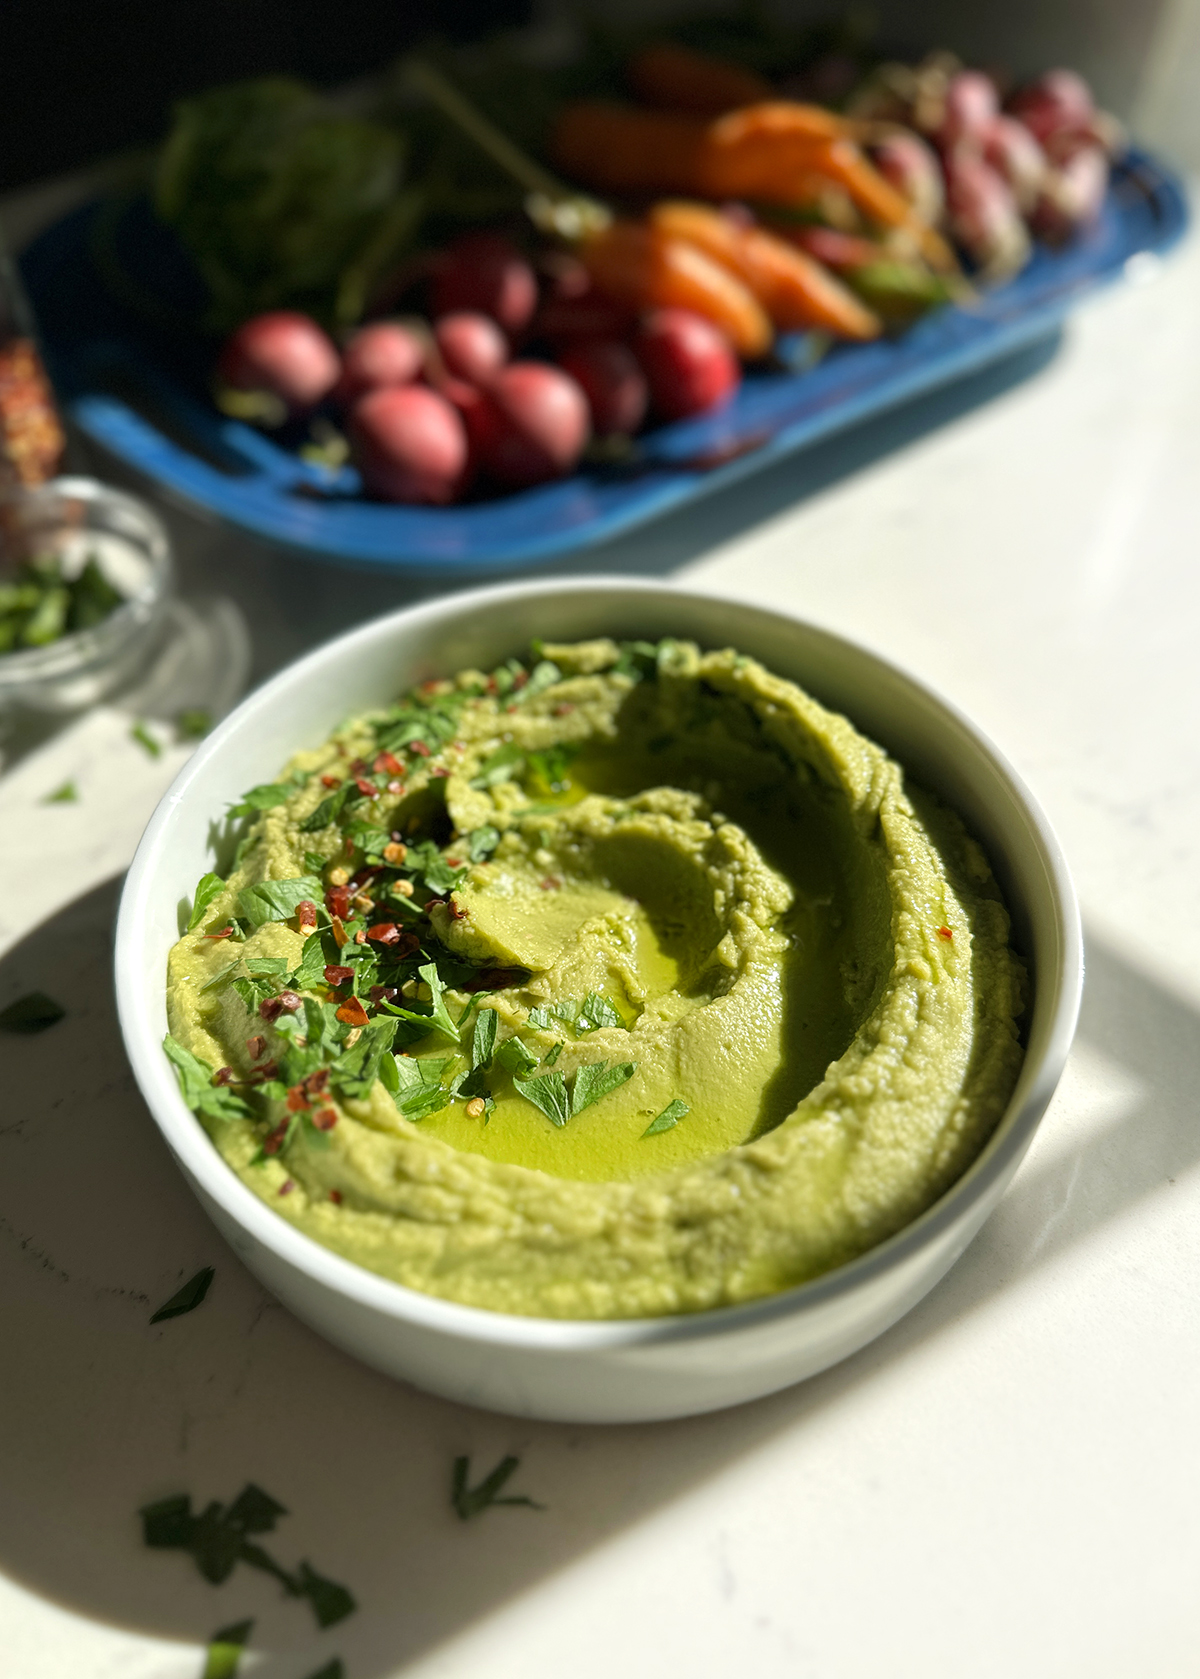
[(619, 149), (677, 79), (644, 268), (794, 289)]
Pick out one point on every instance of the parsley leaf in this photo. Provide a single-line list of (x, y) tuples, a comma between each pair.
[(225, 1651), (551, 764), (552, 1056), (208, 887), (188, 1297), (438, 1018), (197, 1087), (501, 765), (194, 723), (597, 1080), (549, 1093), (470, 1501), (481, 842), (483, 1043), (276, 900), (146, 740), (267, 796), (419, 1089), (589, 1015), (670, 1116), (330, 1603), (355, 1071), (329, 809), (543, 675), (34, 1012), (310, 970), (514, 1057), (67, 794)]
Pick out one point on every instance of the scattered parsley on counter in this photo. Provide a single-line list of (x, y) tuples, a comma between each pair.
[(331, 1670), (220, 1536), (188, 1297), (67, 794), (670, 1116), (194, 724), (225, 1651), (473, 1501), (145, 739), (34, 1012)]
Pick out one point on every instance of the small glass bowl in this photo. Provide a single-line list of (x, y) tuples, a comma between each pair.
[(76, 518)]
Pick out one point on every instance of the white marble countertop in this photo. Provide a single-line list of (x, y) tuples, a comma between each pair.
[(1007, 1481)]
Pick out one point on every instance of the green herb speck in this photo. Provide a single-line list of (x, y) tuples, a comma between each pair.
[(188, 1297), (473, 1501), (145, 739), (34, 1012), (67, 794)]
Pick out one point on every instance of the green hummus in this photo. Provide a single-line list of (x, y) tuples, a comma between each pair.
[(627, 981)]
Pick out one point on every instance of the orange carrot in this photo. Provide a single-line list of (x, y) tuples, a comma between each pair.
[(677, 79), (644, 269), (796, 292), (877, 198), (619, 149)]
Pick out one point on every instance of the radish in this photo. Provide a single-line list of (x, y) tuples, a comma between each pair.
[(484, 272), (282, 357), (378, 355), (912, 167), (409, 444), (983, 216), (472, 346), (612, 381), (971, 103), (1011, 150), (531, 424), (689, 364)]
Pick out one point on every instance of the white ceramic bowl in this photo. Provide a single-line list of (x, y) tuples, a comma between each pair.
[(641, 1369)]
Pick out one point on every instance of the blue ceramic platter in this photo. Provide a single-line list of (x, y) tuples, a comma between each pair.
[(134, 382)]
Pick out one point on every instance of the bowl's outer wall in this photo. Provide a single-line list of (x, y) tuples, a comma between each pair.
[(580, 1372)]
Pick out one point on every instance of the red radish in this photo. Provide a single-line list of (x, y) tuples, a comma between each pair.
[(689, 364), (612, 381), (1011, 150), (283, 355), (484, 272), (1060, 100), (912, 167), (586, 315), (983, 215), (531, 425), (409, 444), (377, 355), (1072, 196), (472, 346), (971, 103)]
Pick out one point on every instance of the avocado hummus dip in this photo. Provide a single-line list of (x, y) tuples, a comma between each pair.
[(620, 982)]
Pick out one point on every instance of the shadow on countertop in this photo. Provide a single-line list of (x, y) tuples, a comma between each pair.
[(293, 600), (101, 1411)]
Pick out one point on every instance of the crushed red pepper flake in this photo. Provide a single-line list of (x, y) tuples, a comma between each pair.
[(223, 1075), (335, 1195), (340, 935), (367, 788), (325, 1119), (272, 1007), (268, 1070), (331, 781), (389, 762), (550, 884), (274, 1142), (352, 1012), (225, 933), (256, 1047), (286, 1187), (306, 913), (944, 933), (420, 748), (564, 708), (337, 974), (297, 1099), (439, 770)]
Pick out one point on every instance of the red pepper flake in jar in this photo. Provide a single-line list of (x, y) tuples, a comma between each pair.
[(306, 913), (337, 975), (352, 1012), (389, 762), (256, 1048), (325, 1119), (944, 933), (331, 781), (286, 1187), (420, 748), (335, 1195)]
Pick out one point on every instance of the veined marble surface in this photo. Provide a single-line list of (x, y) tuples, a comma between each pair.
[(1006, 1482)]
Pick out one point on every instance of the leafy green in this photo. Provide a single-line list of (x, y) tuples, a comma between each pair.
[(145, 739), (197, 1088), (219, 1537), (224, 1652), (437, 1019), (194, 723), (549, 1093), (543, 675), (412, 724), (556, 1050), (310, 970), (551, 765), (34, 1012), (329, 809), (501, 765), (67, 794), (282, 201), (670, 1116), (588, 1015), (276, 900), (483, 1043), (420, 1091), (514, 1057), (597, 1080), (267, 796), (208, 887), (187, 1298), (468, 1501), (481, 842), (40, 604), (368, 836), (356, 1069)]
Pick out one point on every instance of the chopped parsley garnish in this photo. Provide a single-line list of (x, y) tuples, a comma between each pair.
[(34, 1012), (481, 842), (483, 1043), (219, 1537), (194, 723), (146, 740), (552, 1056), (224, 1651), (67, 794), (267, 796), (187, 1298), (670, 1116), (419, 1089), (470, 1501), (515, 1057), (277, 900), (437, 1019), (197, 1087), (589, 1015), (208, 887), (549, 1092), (329, 809), (501, 765)]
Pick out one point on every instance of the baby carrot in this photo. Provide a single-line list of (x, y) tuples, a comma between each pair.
[(620, 149), (796, 292), (675, 78), (644, 268)]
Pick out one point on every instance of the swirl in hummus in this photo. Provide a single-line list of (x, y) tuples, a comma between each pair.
[(626, 981)]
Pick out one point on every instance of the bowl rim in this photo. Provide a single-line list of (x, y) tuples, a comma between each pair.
[(208, 1171)]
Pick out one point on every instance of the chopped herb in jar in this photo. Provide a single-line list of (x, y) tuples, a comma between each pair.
[(40, 604)]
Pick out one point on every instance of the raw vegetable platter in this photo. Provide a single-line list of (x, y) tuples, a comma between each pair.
[(140, 394)]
